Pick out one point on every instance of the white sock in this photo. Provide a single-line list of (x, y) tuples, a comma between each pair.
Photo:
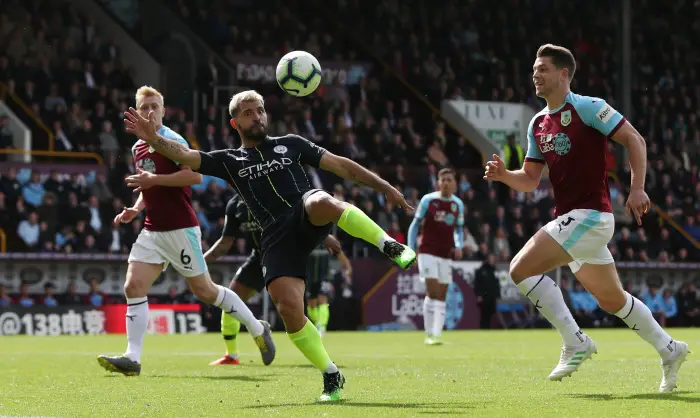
[(231, 304), (638, 317), (136, 325), (331, 369), (547, 297), (439, 321), (428, 315)]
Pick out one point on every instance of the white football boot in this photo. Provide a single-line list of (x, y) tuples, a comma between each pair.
[(572, 357), (671, 364)]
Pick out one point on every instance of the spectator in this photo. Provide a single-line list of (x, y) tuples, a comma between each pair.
[(72, 297), (5, 299), (688, 306), (96, 298), (33, 191), (585, 306), (48, 299), (24, 299), (487, 290), (653, 299), (670, 308), (28, 230)]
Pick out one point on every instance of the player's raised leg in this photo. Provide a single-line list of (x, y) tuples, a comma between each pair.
[(323, 209), (139, 279), (287, 294), (602, 281), (542, 254), (231, 326)]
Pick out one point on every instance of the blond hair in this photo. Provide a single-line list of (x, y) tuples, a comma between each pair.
[(148, 91), (245, 96)]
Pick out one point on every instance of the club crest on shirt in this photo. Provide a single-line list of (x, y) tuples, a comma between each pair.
[(565, 118), (147, 165), (562, 144), (453, 207), (280, 149)]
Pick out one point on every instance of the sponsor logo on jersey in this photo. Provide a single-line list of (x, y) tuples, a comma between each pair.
[(562, 144), (264, 168), (280, 149), (453, 207), (546, 143), (565, 118), (605, 113)]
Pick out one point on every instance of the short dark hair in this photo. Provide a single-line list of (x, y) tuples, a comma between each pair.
[(446, 170), (561, 57)]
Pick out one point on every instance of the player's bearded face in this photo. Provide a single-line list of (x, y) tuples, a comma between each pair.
[(447, 184), (545, 77), (252, 122)]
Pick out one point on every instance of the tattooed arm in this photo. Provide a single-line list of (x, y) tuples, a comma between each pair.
[(146, 130)]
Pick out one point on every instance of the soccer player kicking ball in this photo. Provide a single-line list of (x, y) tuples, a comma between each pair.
[(570, 136), (440, 216), (268, 174), (171, 235), (249, 278)]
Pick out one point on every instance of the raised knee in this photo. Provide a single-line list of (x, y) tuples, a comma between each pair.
[(323, 208)]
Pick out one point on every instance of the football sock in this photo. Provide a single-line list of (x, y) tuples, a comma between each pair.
[(324, 315), (638, 317), (136, 325), (312, 313), (439, 320), (308, 341), (231, 304), (359, 225), (230, 327), (547, 297), (428, 315)]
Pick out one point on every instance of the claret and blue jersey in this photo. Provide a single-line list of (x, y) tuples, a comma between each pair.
[(572, 141), (442, 222)]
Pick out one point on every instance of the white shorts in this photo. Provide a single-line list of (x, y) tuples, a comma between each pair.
[(584, 234), (182, 248), (433, 267)]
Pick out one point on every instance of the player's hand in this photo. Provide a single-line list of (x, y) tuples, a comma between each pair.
[(332, 245), (142, 180), (638, 204), (137, 125), (495, 170), (127, 215), (457, 253), (397, 198)]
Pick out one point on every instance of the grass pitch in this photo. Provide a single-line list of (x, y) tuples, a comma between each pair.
[(392, 374)]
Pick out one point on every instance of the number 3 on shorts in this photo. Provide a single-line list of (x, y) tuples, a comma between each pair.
[(184, 258)]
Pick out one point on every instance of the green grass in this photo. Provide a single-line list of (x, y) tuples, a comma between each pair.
[(499, 373)]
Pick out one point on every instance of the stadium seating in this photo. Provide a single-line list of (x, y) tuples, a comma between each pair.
[(74, 83)]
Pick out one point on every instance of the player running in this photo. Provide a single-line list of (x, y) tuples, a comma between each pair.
[(318, 284), (570, 136), (269, 176), (440, 216), (171, 235), (249, 278)]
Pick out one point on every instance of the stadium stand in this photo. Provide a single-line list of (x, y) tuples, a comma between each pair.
[(60, 73)]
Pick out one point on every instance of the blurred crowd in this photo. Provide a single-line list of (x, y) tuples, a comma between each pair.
[(55, 61)]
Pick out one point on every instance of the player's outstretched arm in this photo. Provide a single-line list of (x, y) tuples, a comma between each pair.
[(144, 180), (146, 130), (219, 249), (350, 170)]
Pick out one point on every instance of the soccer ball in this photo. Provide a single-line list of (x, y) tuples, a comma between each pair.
[(299, 73)]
